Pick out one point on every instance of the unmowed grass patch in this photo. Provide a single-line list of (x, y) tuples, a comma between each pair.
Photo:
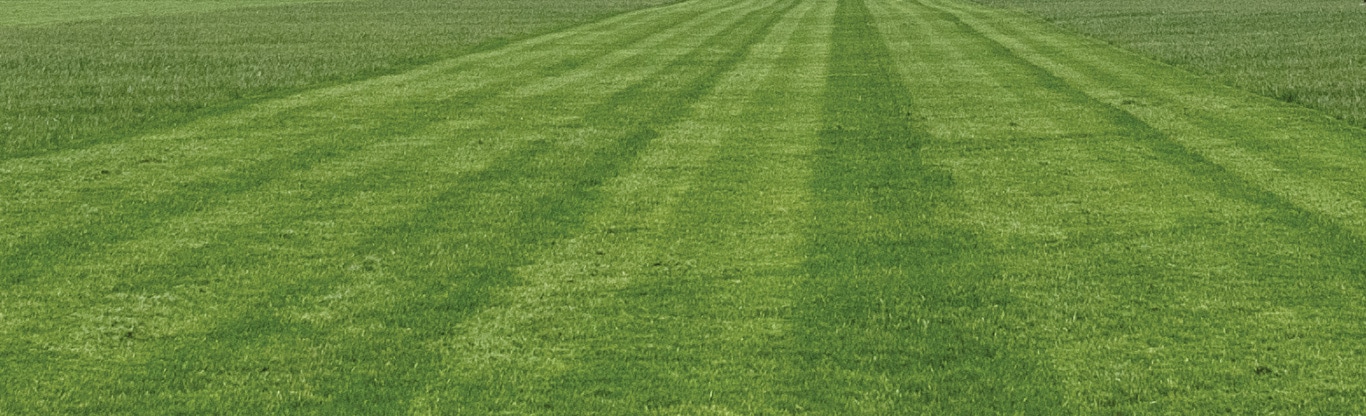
[(1305, 52), (76, 83)]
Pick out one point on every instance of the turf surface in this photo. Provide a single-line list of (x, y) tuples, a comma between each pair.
[(41, 12), (710, 207), (1306, 52), (116, 68)]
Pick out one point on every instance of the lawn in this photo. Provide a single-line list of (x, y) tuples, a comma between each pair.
[(78, 73), (44, 12), (1304, 52), (701, 207)]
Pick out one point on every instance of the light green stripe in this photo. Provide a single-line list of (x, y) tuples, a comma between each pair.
[(674, 219), (1299, 154)]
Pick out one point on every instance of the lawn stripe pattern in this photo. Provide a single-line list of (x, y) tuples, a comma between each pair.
[(1201, 247), (333, 123), (901, 306), (712, 207), (583, 334), (259, 235), (322, 124), (82, 83), (1284, 148)]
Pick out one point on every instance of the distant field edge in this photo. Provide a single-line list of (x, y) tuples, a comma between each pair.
[(192, 77), (46, 12), (1310, 59)]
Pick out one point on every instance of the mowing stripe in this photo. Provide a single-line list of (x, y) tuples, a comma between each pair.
[(1154, 141), (222, 270), (1290, 150), (1130, 258), (438, 114), (535, 223), (692, 298), (579, 285), (204, 242), (715, 207), (901, 311), (148, 180)]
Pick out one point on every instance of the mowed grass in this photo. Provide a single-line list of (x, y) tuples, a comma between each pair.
[(709, 207), (1305, 52), (39, 12), (104, 70)]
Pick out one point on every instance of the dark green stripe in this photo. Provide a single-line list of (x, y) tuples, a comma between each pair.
[(130, 218), (1313, 228), (639, 113), (480, 245), (903, 309), (218, 351), (73, 84)]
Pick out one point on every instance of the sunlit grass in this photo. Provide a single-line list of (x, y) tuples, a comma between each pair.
[(708, 207), (1305, 52), (75, 83), (39, 12)]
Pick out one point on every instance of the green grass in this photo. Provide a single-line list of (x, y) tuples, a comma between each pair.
[(110, 71), (708, 207), (1305, 52), (904, 304), (40, 12)]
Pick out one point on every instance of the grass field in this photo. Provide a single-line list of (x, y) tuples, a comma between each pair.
[(705, 207), (41, 12), (1305, 52), (72, 80)]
